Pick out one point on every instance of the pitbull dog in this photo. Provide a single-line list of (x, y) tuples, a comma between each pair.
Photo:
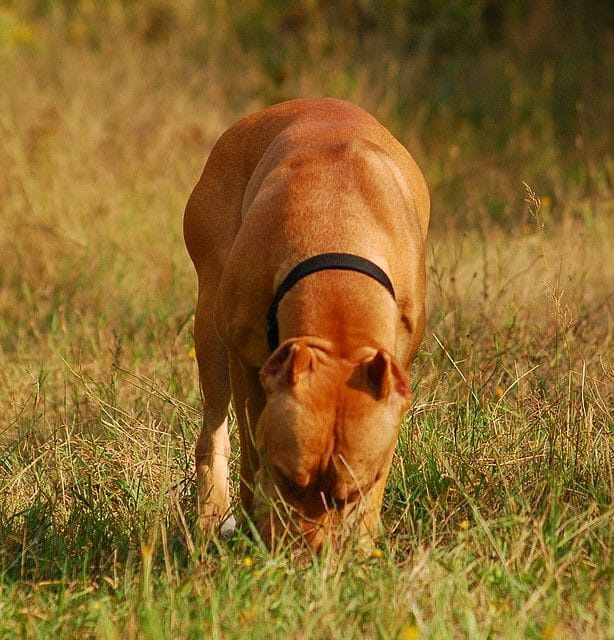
[(306, 230)]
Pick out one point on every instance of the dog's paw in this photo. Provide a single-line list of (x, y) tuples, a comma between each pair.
[(227, 528), (212, 525)]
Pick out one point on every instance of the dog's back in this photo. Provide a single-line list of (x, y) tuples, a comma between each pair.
[(213, 213)]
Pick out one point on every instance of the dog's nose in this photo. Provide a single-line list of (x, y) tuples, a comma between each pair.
[(344, 493), (313, 535)]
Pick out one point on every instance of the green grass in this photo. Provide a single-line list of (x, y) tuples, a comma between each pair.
[(497, 516)]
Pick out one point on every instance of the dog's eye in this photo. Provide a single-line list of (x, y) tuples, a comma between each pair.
[(292, 488), (351, 497), (289, 487)]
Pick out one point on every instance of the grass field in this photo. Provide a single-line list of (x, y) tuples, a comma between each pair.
[(498, 514)]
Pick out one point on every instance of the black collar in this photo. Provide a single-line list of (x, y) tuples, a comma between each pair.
[(342, 261)]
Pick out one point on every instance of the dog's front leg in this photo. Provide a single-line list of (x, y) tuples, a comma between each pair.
[(248, 399)]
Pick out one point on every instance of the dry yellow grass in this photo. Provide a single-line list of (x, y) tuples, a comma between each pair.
[(498, 514)]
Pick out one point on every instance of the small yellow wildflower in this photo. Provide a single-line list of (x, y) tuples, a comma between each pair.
[(23, 33), (192, 353), (497, 608), (550, 632), (546, 202), (247, 562), (146, 552), (248, 615), (499, 391), (377, 553), (464, 525), (78, 29), (410, 633)]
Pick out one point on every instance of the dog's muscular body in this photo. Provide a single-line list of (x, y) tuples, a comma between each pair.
[(318, 418)]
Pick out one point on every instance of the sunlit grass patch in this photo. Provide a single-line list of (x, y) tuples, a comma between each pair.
[(497, 515)]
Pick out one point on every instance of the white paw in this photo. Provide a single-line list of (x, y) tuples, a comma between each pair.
[(227, 528)]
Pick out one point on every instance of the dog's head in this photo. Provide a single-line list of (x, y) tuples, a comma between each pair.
[(325, 437)]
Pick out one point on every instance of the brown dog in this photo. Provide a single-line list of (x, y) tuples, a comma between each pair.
[(306, 230)]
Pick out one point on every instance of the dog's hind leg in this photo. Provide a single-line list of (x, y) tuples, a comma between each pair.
[(213, 444), (211, 221)]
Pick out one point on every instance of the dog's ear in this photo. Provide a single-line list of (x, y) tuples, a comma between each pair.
[(384, 375), (287, 364)]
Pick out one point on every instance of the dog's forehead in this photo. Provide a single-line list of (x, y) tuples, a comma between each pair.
[(327, 425), (345, 451)]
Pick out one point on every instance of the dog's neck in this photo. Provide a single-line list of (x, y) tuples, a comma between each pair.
[(349, 309)]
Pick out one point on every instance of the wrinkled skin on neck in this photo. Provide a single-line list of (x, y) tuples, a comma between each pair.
[(325, 440)]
